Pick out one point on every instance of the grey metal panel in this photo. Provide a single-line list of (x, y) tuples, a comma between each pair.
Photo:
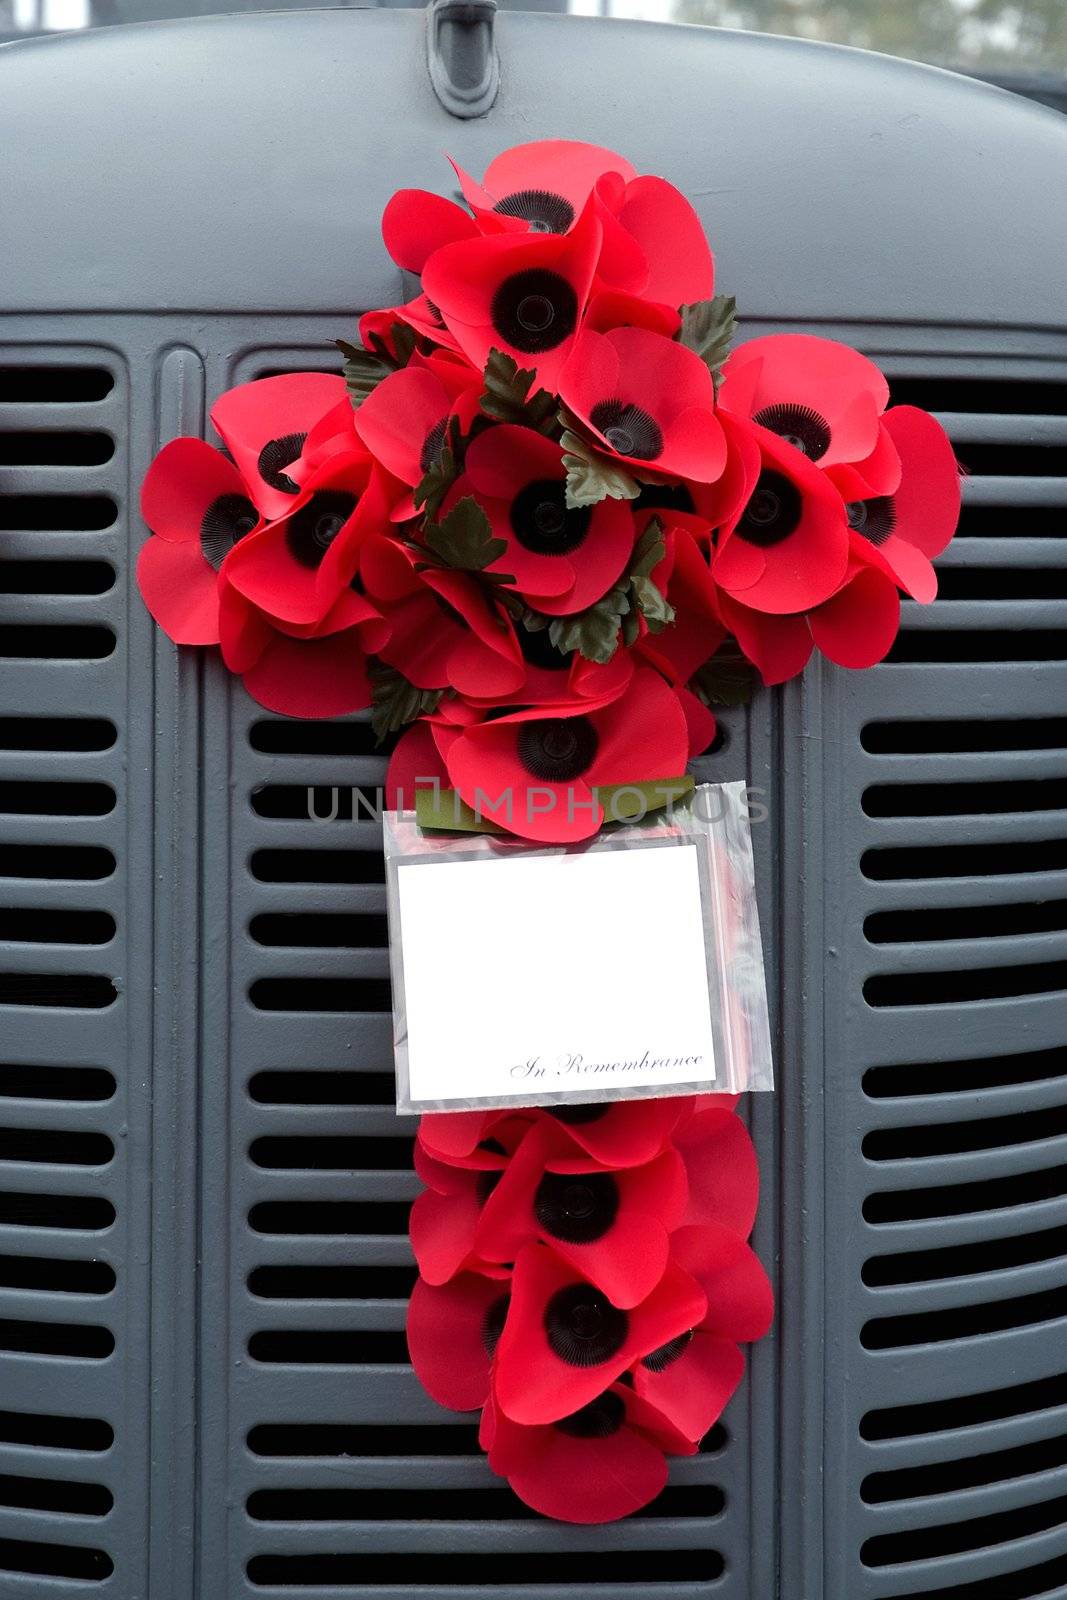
[(281, 113)]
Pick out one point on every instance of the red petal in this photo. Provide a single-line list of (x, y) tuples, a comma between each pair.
[(396, 417), (613, 308), (183, 480), (857, 627), (692, 1392), (180, 590), (780, 647), (669, 231), (583, 1480), (927, 502), (455, 1133), (722, 1169), (442, 1230), (311, 677), (445, 1339), (629, 1133), (413, 765), (416, 222), (740, 1300)]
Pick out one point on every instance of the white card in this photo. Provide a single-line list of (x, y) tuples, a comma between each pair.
[(542, 976)]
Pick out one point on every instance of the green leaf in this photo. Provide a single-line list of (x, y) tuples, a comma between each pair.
[(592, 477), (363, 371), (728, 679), (464, 538), (507, 395), (708, 327), (594, 633), (652, 604), (395, 702)]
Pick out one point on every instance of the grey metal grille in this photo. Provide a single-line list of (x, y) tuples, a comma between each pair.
[(73, 1062), (203, 1190), (946, 1027)]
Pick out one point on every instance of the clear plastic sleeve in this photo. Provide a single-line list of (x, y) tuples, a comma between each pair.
[(713, 817)]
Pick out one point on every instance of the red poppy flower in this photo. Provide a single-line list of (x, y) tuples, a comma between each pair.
[(602, 1462), (563, 560), (319, 672), (854, 628), (296, 569), (647, 401), (611, 1226), (198, 506), (788, 547), (722, 1171), (690, 1378), (404, 421), (914, 523), (545, 184), (821, 397), (264, 425), (523, 294), (444, 630), (564, 1341), (534, 774), (671, 235), (453, 1329)]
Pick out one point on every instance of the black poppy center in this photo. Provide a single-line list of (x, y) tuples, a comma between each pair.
[(629, 430), (667, 1354), (664, 497), (496, 1314), (544, 211), (582, 1326), (534, 310), (773, 512), (228, 518), (799, 426), (277, 454), (577, 1115), (598, 1420), (556, 749), (539, 651), (542, 521), (310, 531), (432, 445), (874, 519), (576, 1208)]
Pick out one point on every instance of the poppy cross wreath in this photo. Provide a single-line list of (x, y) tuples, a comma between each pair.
[(544, 524)]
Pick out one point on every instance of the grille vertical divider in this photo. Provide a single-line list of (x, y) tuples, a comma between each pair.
[(174, 377)]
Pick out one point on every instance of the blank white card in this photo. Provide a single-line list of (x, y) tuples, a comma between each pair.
[(541, 976)]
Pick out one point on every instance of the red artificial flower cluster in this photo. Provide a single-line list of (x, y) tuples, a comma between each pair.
[(531, 518), (585, 1281)]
